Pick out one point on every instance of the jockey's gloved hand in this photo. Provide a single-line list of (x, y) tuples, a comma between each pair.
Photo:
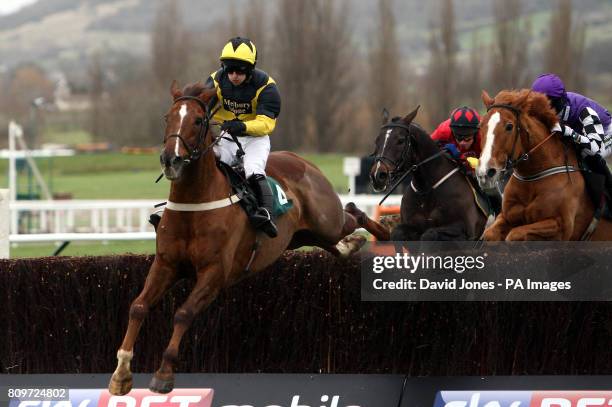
[(453, 150), (565, 131), (234, 127)]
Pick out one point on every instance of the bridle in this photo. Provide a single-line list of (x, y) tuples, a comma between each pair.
[(193, 152), (399, 165), (396, 165), (511, 162)]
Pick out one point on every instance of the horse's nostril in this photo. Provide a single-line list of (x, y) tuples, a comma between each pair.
[(382, 176), (491, 172), (176, 160)]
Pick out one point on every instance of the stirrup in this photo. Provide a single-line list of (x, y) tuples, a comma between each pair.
[(264, 222)]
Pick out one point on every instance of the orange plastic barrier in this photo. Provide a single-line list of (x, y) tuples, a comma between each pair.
[(382, 211)]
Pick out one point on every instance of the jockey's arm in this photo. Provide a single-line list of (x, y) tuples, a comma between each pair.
[(268, 109), (591, 141)]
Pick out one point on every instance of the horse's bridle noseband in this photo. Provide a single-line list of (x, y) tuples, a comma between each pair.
[(194, 153)]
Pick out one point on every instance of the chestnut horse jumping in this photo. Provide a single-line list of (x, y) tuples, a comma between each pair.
[(545, 198), (207, 231)]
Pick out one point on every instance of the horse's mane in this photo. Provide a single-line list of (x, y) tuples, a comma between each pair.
[(531, 103), (194, 89)]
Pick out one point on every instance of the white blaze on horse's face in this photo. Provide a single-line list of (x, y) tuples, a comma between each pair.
[(377, 169), (183, 114), (382, 153), (487, 152)]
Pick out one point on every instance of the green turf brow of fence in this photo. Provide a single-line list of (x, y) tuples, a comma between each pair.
[(303, 315)]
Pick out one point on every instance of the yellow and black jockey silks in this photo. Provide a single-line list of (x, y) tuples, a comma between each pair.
[(256, 102)]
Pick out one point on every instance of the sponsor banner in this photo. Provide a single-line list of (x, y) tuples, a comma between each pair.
[(102, 398), (523, 398), (300, 390), (486, 271)]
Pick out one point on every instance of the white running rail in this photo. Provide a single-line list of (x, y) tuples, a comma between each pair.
[(102, 220)]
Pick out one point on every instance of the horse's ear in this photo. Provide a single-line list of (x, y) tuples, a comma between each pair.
[(410, 116), (175, 91), (207, 94), (385, 116), (486, 99)]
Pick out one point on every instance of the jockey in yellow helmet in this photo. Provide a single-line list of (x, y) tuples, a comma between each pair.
[(249, 104)]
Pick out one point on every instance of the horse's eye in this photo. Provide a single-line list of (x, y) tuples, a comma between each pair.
[(198, 121), (509, 127)]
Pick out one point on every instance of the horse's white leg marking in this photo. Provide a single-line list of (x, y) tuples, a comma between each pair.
[(483, 165), (123, 360), (182, 113)]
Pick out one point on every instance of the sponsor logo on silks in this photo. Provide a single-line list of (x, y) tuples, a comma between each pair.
[(523, 399), (237, 108), (135, 398)]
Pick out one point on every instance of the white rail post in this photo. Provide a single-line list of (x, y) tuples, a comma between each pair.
[(5, 217)]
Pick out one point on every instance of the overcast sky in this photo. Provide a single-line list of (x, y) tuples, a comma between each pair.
[(9, 6)]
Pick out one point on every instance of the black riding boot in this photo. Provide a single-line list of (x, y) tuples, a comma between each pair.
[(495, 200), (600, 166), (262, 218)]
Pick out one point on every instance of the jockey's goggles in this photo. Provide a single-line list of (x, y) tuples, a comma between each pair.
[(464, 133)]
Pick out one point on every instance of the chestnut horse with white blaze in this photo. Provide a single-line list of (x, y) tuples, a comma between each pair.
[(545, 198), (207, 232)]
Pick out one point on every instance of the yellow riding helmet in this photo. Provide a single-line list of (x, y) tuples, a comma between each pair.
[(240, 49)]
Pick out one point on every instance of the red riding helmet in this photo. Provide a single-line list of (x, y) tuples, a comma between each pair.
[(464, 122)]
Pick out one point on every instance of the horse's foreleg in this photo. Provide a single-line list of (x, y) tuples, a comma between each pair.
[(157, 282), (204, 292), (547, 229), (375, 228), (498, 230)]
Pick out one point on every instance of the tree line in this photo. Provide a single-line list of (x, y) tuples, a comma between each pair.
[(332, 91)]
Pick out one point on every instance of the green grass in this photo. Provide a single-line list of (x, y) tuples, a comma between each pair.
[(124, 176), (84, 248), (67, 137)]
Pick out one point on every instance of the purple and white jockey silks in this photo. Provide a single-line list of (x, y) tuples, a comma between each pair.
[(587, 122)]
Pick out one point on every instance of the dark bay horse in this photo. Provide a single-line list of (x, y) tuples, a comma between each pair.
[(545, 198), (440, 204), (205, 233)]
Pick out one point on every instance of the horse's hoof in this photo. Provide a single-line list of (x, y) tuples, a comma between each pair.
[(159, 385), (350, 207), (350, 244), (120, 387)]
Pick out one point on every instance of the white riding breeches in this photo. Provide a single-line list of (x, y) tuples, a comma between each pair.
[(256, 151)]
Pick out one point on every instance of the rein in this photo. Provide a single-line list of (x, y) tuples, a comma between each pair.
[(194, 154)]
